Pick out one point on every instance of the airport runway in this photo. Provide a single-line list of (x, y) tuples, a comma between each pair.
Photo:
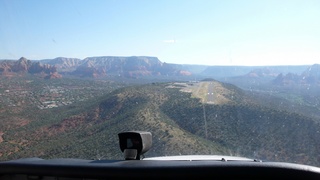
[(210, 95)]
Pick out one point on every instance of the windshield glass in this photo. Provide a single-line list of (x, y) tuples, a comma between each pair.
[(215, 77)]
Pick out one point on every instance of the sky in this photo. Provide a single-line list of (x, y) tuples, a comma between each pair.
[(208, 32)]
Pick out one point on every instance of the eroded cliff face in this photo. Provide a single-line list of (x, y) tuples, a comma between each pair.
[(132, 67), (25, 66)]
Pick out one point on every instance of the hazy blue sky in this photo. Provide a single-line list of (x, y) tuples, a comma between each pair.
[(224, 32)]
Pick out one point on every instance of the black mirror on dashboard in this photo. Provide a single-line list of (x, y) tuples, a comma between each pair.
[(134, 143)]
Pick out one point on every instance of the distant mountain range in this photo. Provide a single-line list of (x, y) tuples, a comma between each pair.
[(132, 67), (140, 66), (270, 75), (263, 72), (310, 76), (250, 71), (145, 66)]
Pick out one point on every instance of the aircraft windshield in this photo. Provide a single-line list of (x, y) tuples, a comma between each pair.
[(205, 77)]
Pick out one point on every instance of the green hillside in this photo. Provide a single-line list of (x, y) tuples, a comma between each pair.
[(248, 128)]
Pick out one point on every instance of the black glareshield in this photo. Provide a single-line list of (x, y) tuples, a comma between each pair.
[(134, 143)]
